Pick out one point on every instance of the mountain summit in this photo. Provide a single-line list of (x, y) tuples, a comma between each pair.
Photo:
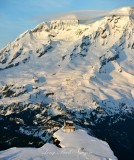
[(128, 11)]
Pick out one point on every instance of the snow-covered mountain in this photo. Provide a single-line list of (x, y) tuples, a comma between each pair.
[(89, 65), (65, 69)]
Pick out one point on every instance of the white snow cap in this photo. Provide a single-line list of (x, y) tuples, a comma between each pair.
[(125, 11)]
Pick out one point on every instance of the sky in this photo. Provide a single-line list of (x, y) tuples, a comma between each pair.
[(18, 16)]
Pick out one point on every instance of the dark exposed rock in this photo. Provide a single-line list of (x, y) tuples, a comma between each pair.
[(83, 47), (15, 56), (132, 46), (44, 50), (63, 57), (49, 94)]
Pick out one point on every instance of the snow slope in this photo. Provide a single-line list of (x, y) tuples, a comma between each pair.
[(76, 145)]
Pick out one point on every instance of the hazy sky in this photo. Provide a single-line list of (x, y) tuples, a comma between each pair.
[(19, 15)]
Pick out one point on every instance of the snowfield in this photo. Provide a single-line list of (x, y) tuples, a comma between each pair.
[(75, 146)]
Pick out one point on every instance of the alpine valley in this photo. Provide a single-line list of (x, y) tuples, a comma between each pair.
[(68, 70)]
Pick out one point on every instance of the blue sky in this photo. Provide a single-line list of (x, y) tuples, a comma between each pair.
[(19, 15)]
